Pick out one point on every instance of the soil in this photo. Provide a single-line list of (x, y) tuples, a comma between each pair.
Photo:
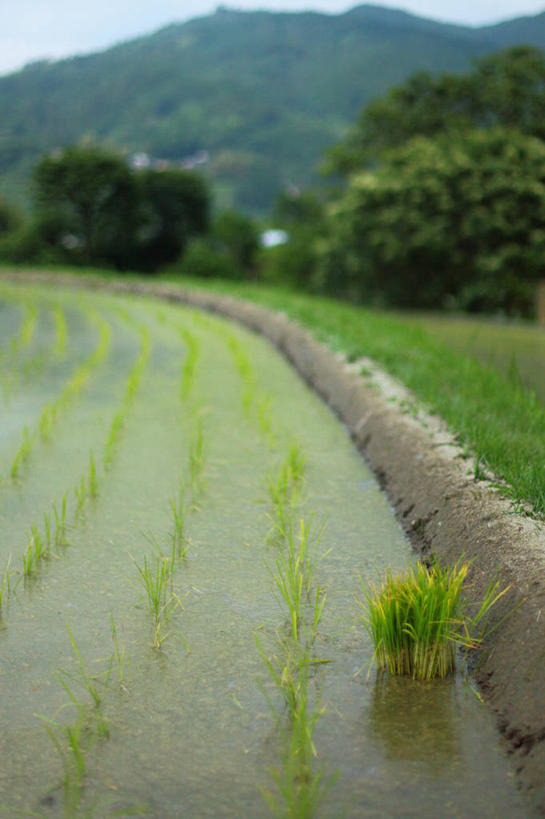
[(443, 508)]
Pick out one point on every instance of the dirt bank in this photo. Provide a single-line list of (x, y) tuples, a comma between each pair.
[(430, 482)]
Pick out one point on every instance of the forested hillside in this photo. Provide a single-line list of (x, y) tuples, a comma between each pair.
[(258, 96)]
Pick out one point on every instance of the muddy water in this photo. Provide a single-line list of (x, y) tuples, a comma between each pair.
[(190, 730)]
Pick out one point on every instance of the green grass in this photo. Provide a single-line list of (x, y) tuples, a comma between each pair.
[(416, 620)]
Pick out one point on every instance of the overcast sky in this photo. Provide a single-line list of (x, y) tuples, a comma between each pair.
[(32, 29)]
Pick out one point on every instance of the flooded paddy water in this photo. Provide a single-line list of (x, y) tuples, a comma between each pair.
[(163, 457)]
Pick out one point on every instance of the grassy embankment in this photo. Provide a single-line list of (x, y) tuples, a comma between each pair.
[(493, 414)]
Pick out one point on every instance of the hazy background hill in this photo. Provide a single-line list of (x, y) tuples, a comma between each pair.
[(262, 94)]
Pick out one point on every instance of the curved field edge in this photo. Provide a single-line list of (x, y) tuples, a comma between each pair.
[(446, 508)]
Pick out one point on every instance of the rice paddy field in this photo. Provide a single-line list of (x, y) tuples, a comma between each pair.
[(184, 530)]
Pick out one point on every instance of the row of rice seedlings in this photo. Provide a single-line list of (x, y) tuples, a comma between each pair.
[(74, 740), (131, 387), (190, 364), (254, 400), (417, 618), (41, 543), (285, 489), (299, 786), (79, 378), (52, 410), (29, 368)]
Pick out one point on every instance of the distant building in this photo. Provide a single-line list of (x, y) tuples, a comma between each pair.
[(271, 238)]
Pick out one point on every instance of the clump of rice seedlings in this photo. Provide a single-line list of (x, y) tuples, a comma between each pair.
[(35, 552), (80, 492), (294, 575), (22, 454), (417, 618), (26, 331), (92, 478), (284, 488), (265, 418), (162, 603), (114, 434)]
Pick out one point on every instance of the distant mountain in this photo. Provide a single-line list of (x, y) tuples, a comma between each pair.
[(251, 97)]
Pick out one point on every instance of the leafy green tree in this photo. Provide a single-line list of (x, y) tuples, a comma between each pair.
[(506, 89), (237, 235), (174, 207), (301, 215), (10, 219), (91, 195), (456, 219)]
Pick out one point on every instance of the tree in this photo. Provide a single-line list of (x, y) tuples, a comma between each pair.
[(456, 218), (506, 89), (95, 210), (237, 236), (174, 207), (91, 195)]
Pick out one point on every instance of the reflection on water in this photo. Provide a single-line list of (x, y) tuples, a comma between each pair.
[(415, 720)]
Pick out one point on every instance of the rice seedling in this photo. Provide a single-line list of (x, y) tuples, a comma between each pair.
[(69, 741), (60, 523), (416, 619), (118, 656), (197, 460), (178, 509), (92, 478), (80, 493)]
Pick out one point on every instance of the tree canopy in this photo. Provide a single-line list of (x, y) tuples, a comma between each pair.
[(505, 89), (96, 210), (449, 219)]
